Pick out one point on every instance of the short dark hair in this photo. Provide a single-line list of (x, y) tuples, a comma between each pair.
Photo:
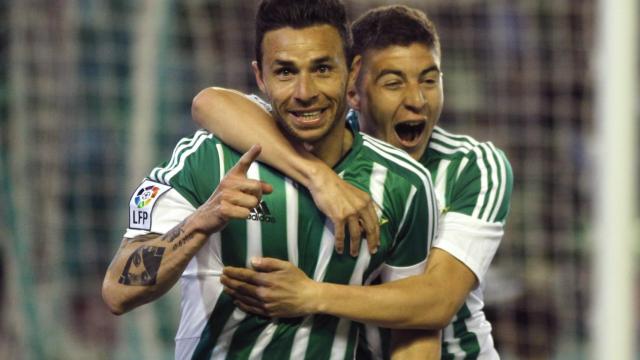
[(298, 14), (391, 25)]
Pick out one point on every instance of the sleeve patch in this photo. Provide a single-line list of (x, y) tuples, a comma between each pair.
[(142, 202)]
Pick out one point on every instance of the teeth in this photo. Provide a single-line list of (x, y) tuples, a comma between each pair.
[(309, 115)]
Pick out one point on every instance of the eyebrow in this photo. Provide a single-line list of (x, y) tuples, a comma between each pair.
[(430, 69), (402, 75), (288, 63), (285, 63), (322, 60)]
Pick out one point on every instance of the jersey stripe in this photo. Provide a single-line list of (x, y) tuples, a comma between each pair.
[(263, 340), (224, 341), (292, 221), (325, 254), (301, 339), (220, 151), (222, 311), (177, 151), (339, 347), (493, 176), (502, 182), (468, 340), (483, 183), (412, 194), (254, 228), (463, 143), (170, 174), (376, 186), (303, 334), (388, 152)]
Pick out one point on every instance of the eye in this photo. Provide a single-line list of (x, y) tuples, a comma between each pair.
[(284, 72), (323, 69), (392, 85), (432, 79)]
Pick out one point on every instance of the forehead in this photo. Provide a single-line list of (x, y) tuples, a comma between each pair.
[(302, 45), (415, 57)]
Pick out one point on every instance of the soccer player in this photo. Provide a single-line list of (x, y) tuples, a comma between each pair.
[(208, 206), (398, 94)]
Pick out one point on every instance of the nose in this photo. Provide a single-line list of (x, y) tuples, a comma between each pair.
[(306, 91), (415, 99)]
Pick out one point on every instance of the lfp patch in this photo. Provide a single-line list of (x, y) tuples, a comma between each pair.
[(142, 202)]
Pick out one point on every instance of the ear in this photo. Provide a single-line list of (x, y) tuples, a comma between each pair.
[(257, 72), (352, 87)]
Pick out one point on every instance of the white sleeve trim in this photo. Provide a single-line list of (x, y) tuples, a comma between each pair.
[(391, 273), (472, 241), (167, 212)]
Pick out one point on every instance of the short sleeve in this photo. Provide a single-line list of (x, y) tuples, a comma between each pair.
[(175, 188), (482, 187), (472, 225)]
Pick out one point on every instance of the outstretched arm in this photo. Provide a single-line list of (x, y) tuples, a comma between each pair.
[(147, 266), (240, 122), (427, 301)]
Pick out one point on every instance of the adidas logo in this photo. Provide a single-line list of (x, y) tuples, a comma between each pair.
[(261, 213)]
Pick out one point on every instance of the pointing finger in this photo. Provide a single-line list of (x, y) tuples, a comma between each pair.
[(241, 167)]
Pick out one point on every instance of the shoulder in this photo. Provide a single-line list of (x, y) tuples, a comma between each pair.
[(198, 149), (479, 154), (482, 177), (396, 161)]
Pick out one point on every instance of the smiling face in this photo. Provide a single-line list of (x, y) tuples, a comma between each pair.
[(399, 95), (304, 74)]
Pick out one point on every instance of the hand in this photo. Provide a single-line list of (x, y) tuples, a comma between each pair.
[(234, 197), (343, 204), (276, 288)]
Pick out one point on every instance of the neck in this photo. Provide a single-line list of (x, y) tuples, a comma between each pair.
[(332, 147)]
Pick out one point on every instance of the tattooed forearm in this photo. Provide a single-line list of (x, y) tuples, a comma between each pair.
[(181, 242), (142, 266), (173, 234), (141, 238)]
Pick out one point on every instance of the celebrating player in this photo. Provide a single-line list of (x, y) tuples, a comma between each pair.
[(209, 207), (398, 93)]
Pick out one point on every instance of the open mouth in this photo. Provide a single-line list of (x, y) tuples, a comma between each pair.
[(307, 115), (410, 132)]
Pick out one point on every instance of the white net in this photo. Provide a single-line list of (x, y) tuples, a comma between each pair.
[(92, 93)]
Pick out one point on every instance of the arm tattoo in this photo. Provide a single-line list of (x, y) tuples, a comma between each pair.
[(142, 266), (141, 238), (173, 234), (181, 242)]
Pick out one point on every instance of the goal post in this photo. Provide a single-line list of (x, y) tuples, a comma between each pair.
[(616, 186)]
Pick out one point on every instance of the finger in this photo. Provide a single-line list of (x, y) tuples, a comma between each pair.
[(371, 225), (231, 211), (250, 309), (241, 167), (241, 274), (237, 198), (339, 235), (265, 264), (242, 184), (355, 234), (266, 187), (247, 300), (239, 287)]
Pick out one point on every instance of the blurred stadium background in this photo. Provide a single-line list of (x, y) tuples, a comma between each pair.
[(93, 93)]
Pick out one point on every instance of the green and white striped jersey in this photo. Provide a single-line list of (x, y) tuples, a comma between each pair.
[(473, 183), (285, 225)]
